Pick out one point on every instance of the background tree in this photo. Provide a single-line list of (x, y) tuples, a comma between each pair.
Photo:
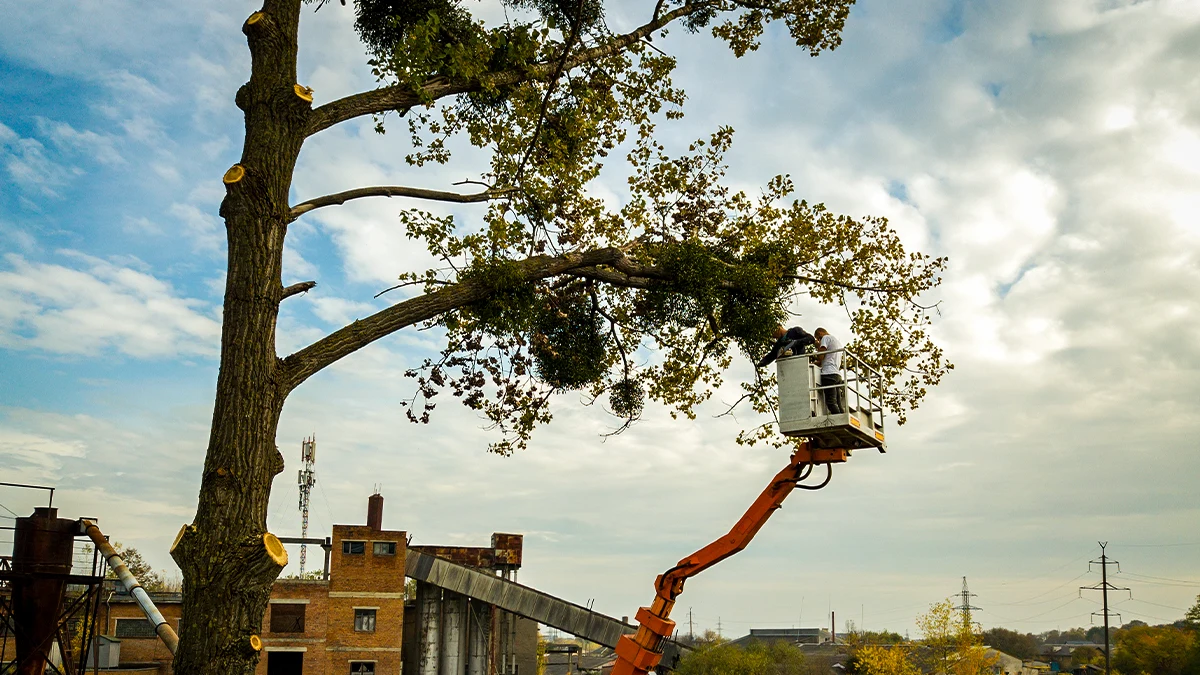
[(1081, 656), (1020, 645), (950, 644), (880, 660), (757, 658), (1155, 650), (1192, 616), (550, 289), (139, 568)]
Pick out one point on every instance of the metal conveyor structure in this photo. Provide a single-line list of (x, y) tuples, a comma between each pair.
[(527, 602)]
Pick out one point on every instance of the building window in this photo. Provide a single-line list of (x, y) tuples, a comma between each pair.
[(385, 548), (364, 620), (287, 618), (362, 668), (134, 628), (354, 547)]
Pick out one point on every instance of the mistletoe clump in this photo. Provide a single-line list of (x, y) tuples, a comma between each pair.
[(570, 343)]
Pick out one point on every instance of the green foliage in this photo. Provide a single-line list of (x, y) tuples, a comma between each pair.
[(951, 644), (627, 398), (1081, 656), (385, 25), (570, 343), (311, 575), (706, 271), (777, 658), (881, 660), (1161, 650), (1020, 645), (139, 568), (1192, 617), (814, 24)]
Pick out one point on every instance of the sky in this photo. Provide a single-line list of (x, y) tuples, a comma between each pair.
[(1051, 150)]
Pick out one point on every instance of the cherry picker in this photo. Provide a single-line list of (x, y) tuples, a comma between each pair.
[(825, 439)]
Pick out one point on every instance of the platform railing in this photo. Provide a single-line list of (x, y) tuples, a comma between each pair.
[(857, 375)]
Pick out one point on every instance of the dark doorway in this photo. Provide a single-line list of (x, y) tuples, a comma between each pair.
[(285, 663)]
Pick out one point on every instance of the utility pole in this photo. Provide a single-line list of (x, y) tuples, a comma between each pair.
[(719, 627), (305, 481), (1104, 588), (966, 608), (691, 635)]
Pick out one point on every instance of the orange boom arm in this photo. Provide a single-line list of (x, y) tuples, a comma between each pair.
[(639, 653)]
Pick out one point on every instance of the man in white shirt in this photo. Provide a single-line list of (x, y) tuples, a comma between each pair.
[(830, 354)]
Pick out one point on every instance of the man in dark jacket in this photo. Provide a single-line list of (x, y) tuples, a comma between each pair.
[(791, 341)]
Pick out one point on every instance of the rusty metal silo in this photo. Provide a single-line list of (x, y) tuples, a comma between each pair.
[(41, 564)]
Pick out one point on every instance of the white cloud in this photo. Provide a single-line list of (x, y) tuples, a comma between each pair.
[(66, 310), (205, 230), (28, 165), (101, 147)]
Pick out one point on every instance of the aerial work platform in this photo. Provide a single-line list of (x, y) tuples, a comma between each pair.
[(803, 412)]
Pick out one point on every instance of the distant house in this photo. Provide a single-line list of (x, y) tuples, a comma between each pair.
[(795, 636), (1061, 656), (1006, 664)]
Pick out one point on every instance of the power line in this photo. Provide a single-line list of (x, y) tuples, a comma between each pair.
[(1196, 543), (1026, 600), (1147, 602), (1174, 582)]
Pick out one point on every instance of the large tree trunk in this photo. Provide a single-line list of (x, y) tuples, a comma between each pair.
[(228, 559)]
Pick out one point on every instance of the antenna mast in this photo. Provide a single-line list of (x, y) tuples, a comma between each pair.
[(305, 480)]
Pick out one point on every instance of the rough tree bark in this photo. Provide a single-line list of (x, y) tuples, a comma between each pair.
[(228, 559)]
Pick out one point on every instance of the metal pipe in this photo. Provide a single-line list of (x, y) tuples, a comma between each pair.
[(161, 628)]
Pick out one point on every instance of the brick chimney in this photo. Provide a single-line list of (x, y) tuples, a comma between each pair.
[(375, 511)]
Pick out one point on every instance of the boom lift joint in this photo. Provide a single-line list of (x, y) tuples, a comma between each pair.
[(641, 652)]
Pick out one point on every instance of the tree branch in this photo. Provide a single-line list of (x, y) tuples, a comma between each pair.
[(842, 284), (394, 191), (305, 363), (401, 98), (296, 289), (613, 278)]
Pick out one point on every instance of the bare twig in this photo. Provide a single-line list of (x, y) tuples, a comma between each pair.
[(413, 283), (296, 289)]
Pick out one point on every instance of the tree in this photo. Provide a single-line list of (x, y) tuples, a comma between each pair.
[(776, 658), (1192, 617), (1058, 637), (1081, 656), (880, 660), (139, 568), (951, 643), (884, 637), (1020, 645), (1155, 650), (551, 289)]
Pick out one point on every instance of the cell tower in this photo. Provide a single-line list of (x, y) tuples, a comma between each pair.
[(305, 480)]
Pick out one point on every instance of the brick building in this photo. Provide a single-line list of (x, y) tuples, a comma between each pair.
[(351, 623), (354, 621)]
